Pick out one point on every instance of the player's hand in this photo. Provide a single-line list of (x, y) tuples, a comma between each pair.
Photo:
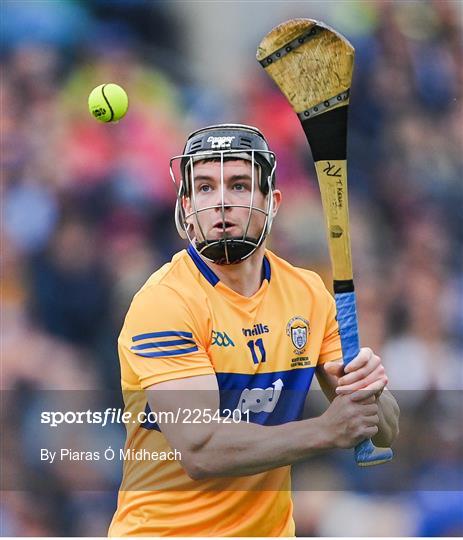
[(346, 422), (364, 377)]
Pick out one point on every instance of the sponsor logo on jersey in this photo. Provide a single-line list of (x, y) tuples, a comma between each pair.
[(298, 329), (219, 143), (221, 339), (258, 400), (256, 330)]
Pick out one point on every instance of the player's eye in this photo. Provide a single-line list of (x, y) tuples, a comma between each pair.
[(239, 186), (204, 188)]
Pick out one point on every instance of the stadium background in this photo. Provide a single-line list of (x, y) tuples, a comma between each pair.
[(87, 215)]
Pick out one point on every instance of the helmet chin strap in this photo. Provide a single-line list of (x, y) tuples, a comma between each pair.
[(228, 251)]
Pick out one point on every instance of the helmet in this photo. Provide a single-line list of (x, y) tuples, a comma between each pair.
[(220, 143)]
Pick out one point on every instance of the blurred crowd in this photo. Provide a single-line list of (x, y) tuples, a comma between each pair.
[(87, 216)]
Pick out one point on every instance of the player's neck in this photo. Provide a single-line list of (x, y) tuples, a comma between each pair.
[(244, 278)]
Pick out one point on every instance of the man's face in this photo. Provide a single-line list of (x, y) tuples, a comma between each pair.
[(238, 195)]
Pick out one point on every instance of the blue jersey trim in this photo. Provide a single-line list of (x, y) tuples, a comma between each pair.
[(168, 333), (290, 404), (147, 424), (267, 270), (202, 266), (291, 400), (158, 344), (176, 352)]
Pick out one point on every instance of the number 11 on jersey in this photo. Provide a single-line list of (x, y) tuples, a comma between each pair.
[(252, 347)]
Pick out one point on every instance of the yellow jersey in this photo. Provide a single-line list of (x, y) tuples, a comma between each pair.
[(263, 350)]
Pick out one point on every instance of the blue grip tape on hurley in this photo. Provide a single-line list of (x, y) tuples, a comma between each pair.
[(348, 325), (366, 453)]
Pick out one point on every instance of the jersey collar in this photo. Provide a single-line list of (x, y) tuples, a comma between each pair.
[(211, 276)]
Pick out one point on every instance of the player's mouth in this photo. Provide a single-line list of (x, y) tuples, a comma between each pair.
[(221, 226)]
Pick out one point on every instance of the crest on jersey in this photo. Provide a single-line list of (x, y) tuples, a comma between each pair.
[(298, 329), (299, 336)]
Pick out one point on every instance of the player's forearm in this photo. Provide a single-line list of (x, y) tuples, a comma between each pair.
[(388, 412), (244, 449)]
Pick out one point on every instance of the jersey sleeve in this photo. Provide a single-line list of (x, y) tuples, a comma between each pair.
[(162, 339), (331, 345)]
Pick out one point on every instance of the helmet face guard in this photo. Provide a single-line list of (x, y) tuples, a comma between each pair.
[(220, 144)]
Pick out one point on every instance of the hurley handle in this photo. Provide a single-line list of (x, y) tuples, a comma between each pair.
[(366, 453)]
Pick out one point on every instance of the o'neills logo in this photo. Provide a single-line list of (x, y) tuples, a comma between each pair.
[(219, 143), (256, 330)]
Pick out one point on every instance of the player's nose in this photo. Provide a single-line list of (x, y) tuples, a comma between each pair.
[(219, 206), (223, 200)]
